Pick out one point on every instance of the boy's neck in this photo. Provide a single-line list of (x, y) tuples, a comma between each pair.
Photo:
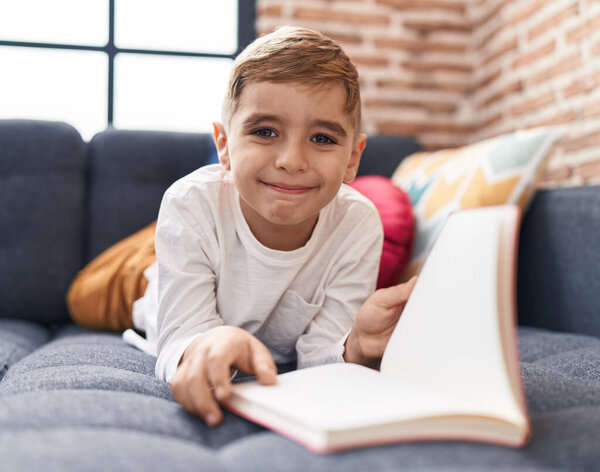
[(278, 237)]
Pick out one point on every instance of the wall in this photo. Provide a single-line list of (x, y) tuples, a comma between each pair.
[(454, 71)]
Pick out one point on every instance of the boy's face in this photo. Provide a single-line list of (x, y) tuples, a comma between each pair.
[(288, 147)]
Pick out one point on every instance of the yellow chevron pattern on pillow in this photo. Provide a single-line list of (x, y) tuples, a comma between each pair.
[(494, 171)]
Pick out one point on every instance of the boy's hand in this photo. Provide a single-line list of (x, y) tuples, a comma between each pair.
[(205, 369), (375, 323)]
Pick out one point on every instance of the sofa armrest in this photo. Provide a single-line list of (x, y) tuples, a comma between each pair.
[(558, 283)]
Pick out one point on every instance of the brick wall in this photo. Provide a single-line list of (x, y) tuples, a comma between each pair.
[(455, 71)]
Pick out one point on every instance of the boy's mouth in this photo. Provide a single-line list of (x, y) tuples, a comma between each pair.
[(287, 188)]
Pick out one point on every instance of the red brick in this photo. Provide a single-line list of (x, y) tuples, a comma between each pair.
[(438, 146), (428, 66), (557, 174), (492, 120), (437, 25), (344, 38), (583, 30), (530, 7), (513, 87), (489, 35), (583, 85), (533, 104), (414, 45), (330, 15), (510, 45), (422, 84), (370, 60), (414, 128), (431, 106), (552, 22), (581, 142), (269, 10), (563, 66), (536, 54), (489, 78), (492, 13), (588, 170), (458, 6), (591, 109), (559, 119)]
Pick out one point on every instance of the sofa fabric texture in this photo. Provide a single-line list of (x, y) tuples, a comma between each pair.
[(89, 402), (75, 399), (128, 174), (559, 262), (42, 190)]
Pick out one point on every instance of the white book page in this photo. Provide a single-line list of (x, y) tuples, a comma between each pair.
[(448, 335), (343, 396)]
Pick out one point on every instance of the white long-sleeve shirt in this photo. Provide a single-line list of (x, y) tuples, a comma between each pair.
[(212, 271)]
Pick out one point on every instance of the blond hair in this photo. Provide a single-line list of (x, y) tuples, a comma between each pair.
[(293, 54)]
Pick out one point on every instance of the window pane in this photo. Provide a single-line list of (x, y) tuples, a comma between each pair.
[(55, 85), (56, 21), (180, 25), (169, 93)]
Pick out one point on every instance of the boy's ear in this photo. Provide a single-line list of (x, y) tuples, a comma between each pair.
[(220, 139), (357, 150)]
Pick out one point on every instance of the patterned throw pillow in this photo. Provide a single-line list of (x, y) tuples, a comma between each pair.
[(495, 171)]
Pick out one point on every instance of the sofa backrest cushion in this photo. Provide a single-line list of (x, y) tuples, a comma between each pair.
[(42, 170), (383, 154), (128, 173), (558, 283)]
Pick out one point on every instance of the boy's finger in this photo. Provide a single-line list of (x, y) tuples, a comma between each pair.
[(257, 360), (205, 405), (262, 363), (219, 376), (198, 395)]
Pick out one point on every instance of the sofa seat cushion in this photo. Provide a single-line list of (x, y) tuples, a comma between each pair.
[(100, 449), (91, 390), (81, 359), (17, 339)]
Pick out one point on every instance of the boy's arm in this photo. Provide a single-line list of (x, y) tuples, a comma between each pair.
[(186, 282), (195, 350)]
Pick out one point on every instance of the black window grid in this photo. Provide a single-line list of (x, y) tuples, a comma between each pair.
[(246, 34)]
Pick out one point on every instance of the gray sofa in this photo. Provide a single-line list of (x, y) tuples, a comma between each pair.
[(72, 399)]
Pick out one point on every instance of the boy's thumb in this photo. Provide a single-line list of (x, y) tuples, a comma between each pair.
[(399, 293)]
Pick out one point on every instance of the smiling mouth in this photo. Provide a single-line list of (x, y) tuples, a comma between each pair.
[(287, 188)]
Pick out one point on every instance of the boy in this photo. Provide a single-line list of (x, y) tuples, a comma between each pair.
[(267, 257)]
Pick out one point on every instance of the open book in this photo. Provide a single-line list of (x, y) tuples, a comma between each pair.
[(450, 371)]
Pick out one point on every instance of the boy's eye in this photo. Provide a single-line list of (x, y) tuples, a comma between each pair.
[(322, 139), (265, 133)]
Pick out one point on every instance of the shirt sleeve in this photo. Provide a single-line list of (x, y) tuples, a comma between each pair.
[(323, 340), (186, 282)]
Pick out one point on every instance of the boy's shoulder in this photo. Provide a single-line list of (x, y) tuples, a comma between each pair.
[(349, 198), (351, 209), (209, 177)]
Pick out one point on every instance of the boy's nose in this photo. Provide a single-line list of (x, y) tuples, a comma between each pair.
[(292, 158)]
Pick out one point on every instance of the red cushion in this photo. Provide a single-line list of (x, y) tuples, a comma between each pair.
[(395, 210)]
